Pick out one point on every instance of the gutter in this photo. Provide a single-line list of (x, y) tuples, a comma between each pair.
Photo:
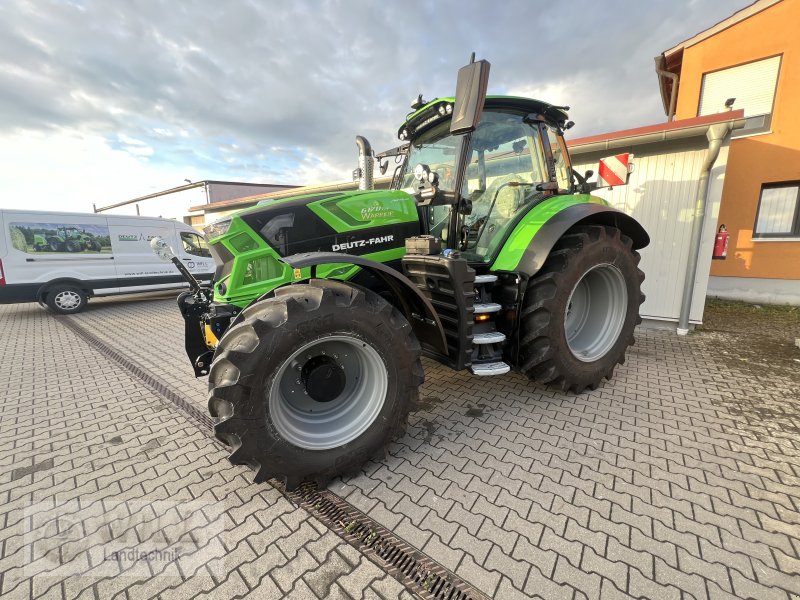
[(663, 133), (673, 95), (716, 135)]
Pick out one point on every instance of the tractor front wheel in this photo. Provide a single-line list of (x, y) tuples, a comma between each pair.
[(580, 309), (314, 381)]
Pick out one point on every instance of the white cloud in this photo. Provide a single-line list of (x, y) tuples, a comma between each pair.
[(69, 170)]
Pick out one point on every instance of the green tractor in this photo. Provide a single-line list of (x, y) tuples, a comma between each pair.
[(77, 240), (488, 254)]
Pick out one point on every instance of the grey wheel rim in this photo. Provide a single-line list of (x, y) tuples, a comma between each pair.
[(314, 425), (595, 313), (67, 300)]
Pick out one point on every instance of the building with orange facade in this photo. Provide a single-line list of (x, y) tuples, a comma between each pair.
[(752, 57)]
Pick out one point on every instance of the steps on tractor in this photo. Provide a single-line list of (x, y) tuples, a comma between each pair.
[(487, 307), (486, 369), (490, 337), (481, 279), (466, 306)]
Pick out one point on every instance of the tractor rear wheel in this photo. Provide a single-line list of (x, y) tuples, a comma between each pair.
[(314, 381), (580, 309)]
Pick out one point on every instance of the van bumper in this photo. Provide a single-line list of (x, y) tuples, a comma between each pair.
[(13, 293)]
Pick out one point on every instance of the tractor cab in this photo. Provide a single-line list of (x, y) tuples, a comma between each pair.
[(472, 188)]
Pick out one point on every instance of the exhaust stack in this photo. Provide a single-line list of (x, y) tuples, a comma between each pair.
[(365, 164)]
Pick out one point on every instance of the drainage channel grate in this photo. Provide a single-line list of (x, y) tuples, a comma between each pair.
[(420, 574), (417, 571)]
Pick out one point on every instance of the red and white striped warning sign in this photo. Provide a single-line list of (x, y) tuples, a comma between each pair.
[(613, 170)]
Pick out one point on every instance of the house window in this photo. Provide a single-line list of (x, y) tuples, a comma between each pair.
[(778, 211), (752, 85)]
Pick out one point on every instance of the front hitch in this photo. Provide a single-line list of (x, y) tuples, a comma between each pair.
[(194, 307)]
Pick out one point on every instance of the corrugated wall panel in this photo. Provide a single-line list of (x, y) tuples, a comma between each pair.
[(661, 195)]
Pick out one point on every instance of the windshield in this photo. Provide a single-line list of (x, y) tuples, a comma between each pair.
[(437, 149)]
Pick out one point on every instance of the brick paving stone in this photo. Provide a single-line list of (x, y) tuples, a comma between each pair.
[(131, 464), (667, 473)]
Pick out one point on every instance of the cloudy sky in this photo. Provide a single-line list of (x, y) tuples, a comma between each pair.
[(101, 101)]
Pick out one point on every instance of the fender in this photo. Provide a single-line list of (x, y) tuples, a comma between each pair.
[(78, 283), (531, 241), (416, 308)]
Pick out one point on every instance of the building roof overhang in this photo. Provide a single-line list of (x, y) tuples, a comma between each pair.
[(672, 59), (660, 132)]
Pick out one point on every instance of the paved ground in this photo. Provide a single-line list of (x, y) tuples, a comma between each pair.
[(679, 479)]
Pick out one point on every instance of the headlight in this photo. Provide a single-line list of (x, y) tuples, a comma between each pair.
[(217, 228)]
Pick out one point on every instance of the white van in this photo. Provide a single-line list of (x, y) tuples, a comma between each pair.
[(62, 259)]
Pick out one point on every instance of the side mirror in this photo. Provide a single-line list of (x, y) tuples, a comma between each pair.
[(473, 79), (161, 249)]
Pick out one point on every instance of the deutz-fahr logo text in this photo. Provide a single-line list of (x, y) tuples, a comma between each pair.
[(362, 243)]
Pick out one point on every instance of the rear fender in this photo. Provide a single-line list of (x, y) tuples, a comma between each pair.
[(416, 308), (529, 259)]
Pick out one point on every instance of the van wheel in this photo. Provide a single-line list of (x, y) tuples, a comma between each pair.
[(66, 299)]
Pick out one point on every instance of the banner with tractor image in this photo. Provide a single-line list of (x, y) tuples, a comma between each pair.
[(68, 238)]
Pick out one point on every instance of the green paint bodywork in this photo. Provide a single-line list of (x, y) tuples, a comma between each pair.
[(366, 209), (258, 268), (524, 231)]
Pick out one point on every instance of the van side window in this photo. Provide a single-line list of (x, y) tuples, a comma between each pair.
[(194, 244)]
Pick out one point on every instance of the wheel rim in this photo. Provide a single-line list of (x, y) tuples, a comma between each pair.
[(67, 300), (334, 418), (595, 313)]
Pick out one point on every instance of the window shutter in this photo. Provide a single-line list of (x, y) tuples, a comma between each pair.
[(753, 86)]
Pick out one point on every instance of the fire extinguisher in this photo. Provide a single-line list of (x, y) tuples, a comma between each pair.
[(721, 244)]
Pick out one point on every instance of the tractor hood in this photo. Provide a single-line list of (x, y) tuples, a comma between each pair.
[(358, 222)]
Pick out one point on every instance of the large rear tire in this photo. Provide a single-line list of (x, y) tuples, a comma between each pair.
[(580, 309), (314, 381)]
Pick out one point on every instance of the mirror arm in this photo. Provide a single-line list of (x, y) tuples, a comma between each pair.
[(194, 285)]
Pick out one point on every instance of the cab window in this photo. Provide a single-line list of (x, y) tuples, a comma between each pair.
[(559, 159), (194, 244)]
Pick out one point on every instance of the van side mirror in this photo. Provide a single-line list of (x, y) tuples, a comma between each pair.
[(161, 249), (473, 79)]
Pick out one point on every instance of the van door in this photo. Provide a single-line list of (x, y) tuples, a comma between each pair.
[(41, 248), (138, 269), (193, 251)]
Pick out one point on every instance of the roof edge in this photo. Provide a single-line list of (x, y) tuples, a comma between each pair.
[(737, 17), (649, 130)]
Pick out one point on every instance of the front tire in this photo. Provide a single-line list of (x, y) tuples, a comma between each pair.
[(66, 299), (314, 381), (580, 309)]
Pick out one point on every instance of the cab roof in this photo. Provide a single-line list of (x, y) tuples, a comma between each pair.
[(419, 120)]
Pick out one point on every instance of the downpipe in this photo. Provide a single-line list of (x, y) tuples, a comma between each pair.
[(673, 96), (365, 164), (716, 135)]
